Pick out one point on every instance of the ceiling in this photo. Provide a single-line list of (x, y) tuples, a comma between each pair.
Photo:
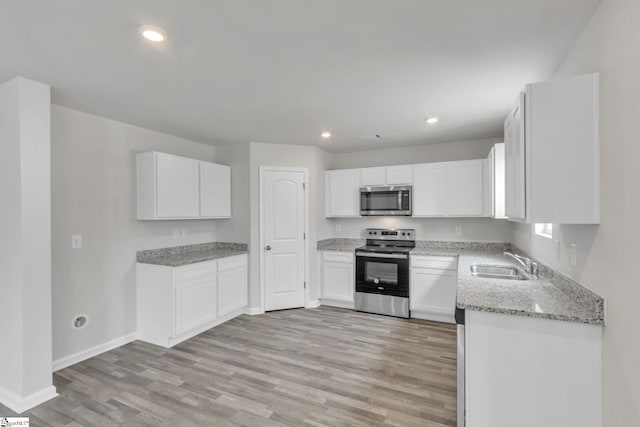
[(283, 71)]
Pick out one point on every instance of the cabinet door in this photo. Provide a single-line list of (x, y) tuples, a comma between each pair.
[(178, 194), (373, 176), (338, 281), (433, 291), (429, 190), (515, 196), (343, 193), (195, 298), (487, 184), (232, 289), (215, 190), (400, 175), (464, 188), (498, 181)]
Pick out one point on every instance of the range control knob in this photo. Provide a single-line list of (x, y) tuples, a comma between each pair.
[(376, 280)]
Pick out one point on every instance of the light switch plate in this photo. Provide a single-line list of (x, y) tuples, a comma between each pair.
[(338, 228), (458, 230), (573, 254), (76, 241)]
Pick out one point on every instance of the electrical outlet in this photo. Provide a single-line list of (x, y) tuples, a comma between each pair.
[(176, 233), (458, 230), (556, 248), (574, 254), (338, 228), (184, 232), (76, 241)]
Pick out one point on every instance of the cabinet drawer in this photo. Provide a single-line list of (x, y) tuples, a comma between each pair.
[(232, 262), (438, 262), (197, 272), (337, 256)]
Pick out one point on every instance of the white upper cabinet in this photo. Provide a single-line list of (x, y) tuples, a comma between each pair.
[(429, 190), (448, 189), (342, 189), (494, 185), (215, 190), (465, 188), (177, 188), (174, 187), (514, 143), (390, 175), (374, 176), (552, 153), (400, 175)]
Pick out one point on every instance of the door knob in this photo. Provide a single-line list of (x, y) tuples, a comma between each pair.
[(268, 247)]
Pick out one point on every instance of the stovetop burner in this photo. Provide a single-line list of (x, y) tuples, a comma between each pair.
[(381, 240)]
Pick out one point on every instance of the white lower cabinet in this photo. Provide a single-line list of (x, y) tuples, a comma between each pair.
[(232, 284), (433, 284), (338, 278), (530, 372), (195, 297), (177, 303)]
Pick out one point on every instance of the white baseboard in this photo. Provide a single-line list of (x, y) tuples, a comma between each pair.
[(21, 404), (252, 311), (338, 303), (313, 304), (436, 317), (92, 352)]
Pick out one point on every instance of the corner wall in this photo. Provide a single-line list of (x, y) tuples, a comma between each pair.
[(25, 246), (94, 194), (607, 254)]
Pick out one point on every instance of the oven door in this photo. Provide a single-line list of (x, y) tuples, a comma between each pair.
[(384, 274), (379, 201)]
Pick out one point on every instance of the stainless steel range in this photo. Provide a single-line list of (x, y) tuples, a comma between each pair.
[(382, 272)]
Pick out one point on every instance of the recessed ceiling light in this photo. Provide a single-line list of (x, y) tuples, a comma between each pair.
[(153, 33), (431, 120), (326, 135)]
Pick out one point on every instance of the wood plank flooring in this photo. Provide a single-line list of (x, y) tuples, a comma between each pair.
[(319, 367)]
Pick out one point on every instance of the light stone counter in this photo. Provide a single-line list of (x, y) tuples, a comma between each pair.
[(190, 254), (551, 296)]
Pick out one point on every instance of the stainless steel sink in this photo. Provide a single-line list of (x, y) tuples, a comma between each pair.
[(497, 272)]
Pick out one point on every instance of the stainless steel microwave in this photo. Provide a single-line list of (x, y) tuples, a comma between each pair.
[(381, 201)]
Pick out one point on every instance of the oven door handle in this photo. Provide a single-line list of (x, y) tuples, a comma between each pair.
[(375, 255)]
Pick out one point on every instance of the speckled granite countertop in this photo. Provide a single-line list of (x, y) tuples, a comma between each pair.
[(342, 244), (190, 254), (551, 296)]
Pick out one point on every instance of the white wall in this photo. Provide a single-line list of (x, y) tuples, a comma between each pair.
[(478, 229), (94, 194), (25, 247), (473, 229), (426, 153), (237, 228), (607, 254)]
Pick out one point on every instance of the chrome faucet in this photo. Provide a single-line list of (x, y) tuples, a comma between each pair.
[(529, 266)]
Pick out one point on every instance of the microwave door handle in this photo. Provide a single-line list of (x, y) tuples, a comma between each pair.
[(399, 200)]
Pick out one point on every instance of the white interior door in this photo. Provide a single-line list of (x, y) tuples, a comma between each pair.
[(283, 209)]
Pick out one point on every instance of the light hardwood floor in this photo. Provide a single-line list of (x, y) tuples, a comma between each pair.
[(319, 367)]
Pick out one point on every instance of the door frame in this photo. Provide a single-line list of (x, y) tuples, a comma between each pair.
[(305, 171)]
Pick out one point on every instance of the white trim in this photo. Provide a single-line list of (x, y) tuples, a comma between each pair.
[(253, 311), (313, 304), (337, 303), (202, 328), (433, 315), (21, 404), (305, 171), (80, 356)]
